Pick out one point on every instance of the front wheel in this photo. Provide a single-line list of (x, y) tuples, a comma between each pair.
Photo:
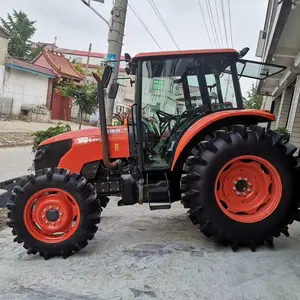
[(54, 213), (240, 186)]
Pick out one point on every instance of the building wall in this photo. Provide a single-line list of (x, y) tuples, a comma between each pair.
[(294, 116), (285, 106), (294, 105), (22, 88), (276, 110), (83, 59), (3, 50)]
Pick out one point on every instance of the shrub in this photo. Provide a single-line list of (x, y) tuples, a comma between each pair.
[(40, 136)]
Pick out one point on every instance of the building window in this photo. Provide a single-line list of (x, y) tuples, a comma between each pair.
[(78, 60), (121, 81), (158, 85)]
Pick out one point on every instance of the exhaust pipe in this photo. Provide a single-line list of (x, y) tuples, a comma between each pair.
[(100, 95)]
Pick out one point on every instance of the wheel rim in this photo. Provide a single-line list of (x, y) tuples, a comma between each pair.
[(51, 215), (248, 189)]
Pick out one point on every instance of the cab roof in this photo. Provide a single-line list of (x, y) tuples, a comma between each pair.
[(183, 52)]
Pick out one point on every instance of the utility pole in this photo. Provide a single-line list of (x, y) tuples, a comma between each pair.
[(87, 63), (115, 43)]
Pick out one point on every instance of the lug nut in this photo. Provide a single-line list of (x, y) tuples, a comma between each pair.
[(51, 207), (58, 220), (244, 194), (240, 178), (249, 183), (249, 190), (45, 209), (234, 188), (237, 193), (235, 182), (60, 214), (246, 179), (47, 222), (53, 224), (43, 216)]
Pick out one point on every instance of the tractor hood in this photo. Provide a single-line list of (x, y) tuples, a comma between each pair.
[(85, 135), (73, 150)]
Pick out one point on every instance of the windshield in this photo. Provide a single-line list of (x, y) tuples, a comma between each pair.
[(184, 84), (177, 90)]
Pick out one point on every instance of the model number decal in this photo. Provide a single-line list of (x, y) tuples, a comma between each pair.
[(85, 140), (117, 130)]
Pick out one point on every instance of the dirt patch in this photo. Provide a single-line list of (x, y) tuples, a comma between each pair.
[(11, 139), (3, 218)]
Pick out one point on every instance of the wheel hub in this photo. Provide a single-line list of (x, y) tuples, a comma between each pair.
[(52, 215), (241, 185)]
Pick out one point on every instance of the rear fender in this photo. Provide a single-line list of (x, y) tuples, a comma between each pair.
[(214, 122)]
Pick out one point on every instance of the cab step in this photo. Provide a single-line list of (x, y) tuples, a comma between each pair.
[(157, 207), (158, 194)]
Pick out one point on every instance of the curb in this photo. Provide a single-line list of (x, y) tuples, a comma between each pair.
[(16, 144)]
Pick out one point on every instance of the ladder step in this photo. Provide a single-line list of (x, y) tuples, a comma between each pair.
[(158, 189), (156, 207)]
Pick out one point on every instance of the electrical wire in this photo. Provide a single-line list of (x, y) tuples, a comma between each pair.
[(143, 23), (218, 23), (224, 22), (208, 34), (212, 23), (157, 12), (230, 24)]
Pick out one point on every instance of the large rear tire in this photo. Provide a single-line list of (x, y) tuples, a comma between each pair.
[(53, 213), (240, 186)]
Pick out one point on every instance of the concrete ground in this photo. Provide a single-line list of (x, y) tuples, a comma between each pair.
[(21, 126), (138, 254)]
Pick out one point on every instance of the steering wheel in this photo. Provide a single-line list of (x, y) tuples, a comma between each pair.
[(165, 120)]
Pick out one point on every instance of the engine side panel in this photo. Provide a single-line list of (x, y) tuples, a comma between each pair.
[(89, 148), (197, 127)]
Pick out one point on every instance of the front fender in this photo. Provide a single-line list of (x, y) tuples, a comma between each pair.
[(223, 118)]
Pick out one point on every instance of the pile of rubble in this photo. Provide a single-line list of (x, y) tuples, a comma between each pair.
[(35, 113)]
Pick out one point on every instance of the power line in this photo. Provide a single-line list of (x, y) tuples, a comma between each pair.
[(218, 22), (224, 21), (205, 23), (212, 23), (230, 25), (143, 23), (157, 12)]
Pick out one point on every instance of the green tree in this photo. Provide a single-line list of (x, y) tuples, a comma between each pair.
[(253, 99), (79, 68), (21, 30), (84, 95), (35, 52)]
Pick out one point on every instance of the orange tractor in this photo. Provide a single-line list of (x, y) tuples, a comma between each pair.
[(236, 178)]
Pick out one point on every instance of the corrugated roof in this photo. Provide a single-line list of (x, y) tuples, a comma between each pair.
[(20, 64), (82, 53), (60, 65)]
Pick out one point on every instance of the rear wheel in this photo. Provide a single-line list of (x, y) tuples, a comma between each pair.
[(53, 213), (240, 187)]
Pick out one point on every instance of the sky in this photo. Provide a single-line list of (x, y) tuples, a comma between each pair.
[(75, 25)]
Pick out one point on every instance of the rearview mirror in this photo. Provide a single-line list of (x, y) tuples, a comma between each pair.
[(106, 76), (113, 90)]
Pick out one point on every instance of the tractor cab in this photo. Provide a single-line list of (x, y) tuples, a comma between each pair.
[(175, 89)]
